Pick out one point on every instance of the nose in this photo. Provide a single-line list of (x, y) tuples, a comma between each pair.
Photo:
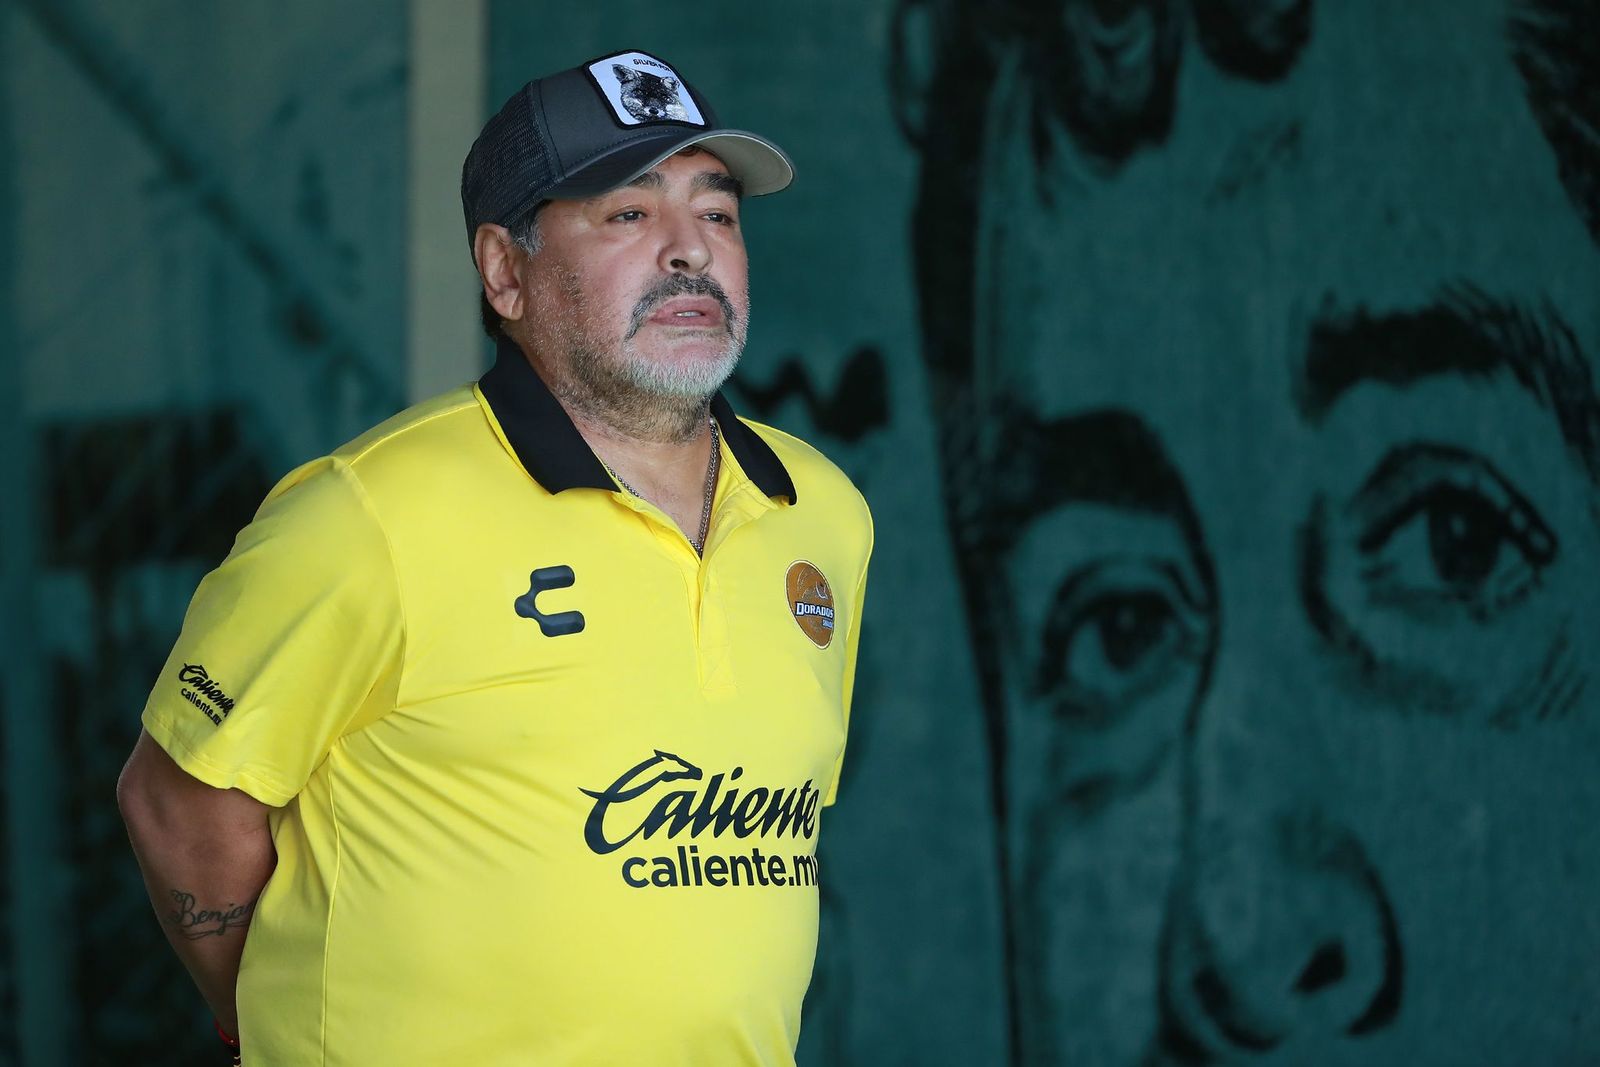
[(684, 249), (1279, 932)]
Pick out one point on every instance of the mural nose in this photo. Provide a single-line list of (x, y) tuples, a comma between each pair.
[(1275, 935)]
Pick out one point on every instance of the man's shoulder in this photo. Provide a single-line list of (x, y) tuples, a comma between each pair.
[(816, 477), (422, 426), (404, 457), (424, 449)]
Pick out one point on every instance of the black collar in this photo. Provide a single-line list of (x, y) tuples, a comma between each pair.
[(553, 451)]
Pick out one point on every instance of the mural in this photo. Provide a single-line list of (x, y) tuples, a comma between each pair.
[(1257, 335), (1221, 373)]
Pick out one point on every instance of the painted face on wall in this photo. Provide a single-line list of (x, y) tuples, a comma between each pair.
[(1299, 556)]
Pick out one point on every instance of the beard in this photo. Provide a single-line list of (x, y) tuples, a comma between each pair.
[(696, 379), (635, 392)]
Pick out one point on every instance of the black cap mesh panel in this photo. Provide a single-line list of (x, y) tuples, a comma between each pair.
[(508, 161)]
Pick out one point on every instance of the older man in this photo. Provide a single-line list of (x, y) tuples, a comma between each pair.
[(504, 729)]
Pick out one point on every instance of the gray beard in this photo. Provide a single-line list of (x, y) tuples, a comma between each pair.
[(638, 399), (623, 389)]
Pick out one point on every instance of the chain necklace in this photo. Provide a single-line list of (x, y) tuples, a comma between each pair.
[(713, 468)]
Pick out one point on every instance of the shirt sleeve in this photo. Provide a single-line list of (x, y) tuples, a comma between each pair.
[(852, 641), (293, 641)]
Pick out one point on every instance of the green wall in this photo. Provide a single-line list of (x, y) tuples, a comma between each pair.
[(1221, 377)]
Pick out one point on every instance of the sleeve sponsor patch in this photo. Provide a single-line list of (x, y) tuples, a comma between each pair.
[(201, 690)]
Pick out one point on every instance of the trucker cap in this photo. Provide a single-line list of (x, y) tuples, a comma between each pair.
[(588, 130)]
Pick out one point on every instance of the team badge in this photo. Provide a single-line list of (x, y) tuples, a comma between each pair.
[(810, 602)]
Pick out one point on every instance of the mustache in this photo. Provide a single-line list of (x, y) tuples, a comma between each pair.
[(680, 285)]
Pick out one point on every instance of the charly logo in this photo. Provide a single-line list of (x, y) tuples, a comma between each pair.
[(200, 690), (810, 601), (667, 797), (544, 580)]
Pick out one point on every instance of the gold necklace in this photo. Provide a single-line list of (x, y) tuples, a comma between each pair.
[(713, 468)]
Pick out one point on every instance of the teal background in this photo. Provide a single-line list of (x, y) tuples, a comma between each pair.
[(1169, 745)]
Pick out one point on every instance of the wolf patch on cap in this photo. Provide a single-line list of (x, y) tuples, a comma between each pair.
[(641, 88)]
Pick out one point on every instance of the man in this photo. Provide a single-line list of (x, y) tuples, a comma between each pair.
[(504, 729), (1274, 383)]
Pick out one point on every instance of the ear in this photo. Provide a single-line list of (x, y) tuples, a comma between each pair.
[(671, 84), (624, 74), (497, 258)]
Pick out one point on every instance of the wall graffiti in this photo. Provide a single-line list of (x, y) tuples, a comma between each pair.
[(1270, 448), (1222, 376)]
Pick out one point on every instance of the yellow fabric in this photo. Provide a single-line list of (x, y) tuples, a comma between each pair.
[(447, 892)]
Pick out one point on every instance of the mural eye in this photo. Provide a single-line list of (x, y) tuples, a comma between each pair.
[(1120, 634), (1116, 635), (1448, 530)]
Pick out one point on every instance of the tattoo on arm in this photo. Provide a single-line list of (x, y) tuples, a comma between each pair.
[(195, 923)]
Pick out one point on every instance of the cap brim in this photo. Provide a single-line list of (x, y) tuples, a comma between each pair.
[(759, 164)]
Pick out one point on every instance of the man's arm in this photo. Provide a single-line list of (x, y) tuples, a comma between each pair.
[(206, 854)]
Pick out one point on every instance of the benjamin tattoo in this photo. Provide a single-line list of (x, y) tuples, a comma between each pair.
[(195, 923)]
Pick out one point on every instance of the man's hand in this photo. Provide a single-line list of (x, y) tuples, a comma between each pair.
[(206, 855)]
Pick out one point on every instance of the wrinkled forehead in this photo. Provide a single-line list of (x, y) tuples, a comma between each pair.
[(1398, 156)]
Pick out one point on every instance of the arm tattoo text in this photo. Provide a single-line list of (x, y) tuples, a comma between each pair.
[(195, 923)]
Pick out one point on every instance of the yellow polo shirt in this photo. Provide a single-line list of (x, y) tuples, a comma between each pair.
[(548, 784)]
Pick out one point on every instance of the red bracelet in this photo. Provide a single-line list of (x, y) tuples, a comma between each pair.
[(227, 1038)]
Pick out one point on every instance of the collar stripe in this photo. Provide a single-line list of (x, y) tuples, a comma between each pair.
[(555, 454)]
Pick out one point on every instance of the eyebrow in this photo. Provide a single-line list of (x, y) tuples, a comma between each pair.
[(707, 181), (1466, 333), (1105, 456), (710, 181)]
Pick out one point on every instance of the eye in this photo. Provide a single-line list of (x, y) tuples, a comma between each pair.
[(721, 218), (630, 215), (1117, 634), (1445, 529)]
